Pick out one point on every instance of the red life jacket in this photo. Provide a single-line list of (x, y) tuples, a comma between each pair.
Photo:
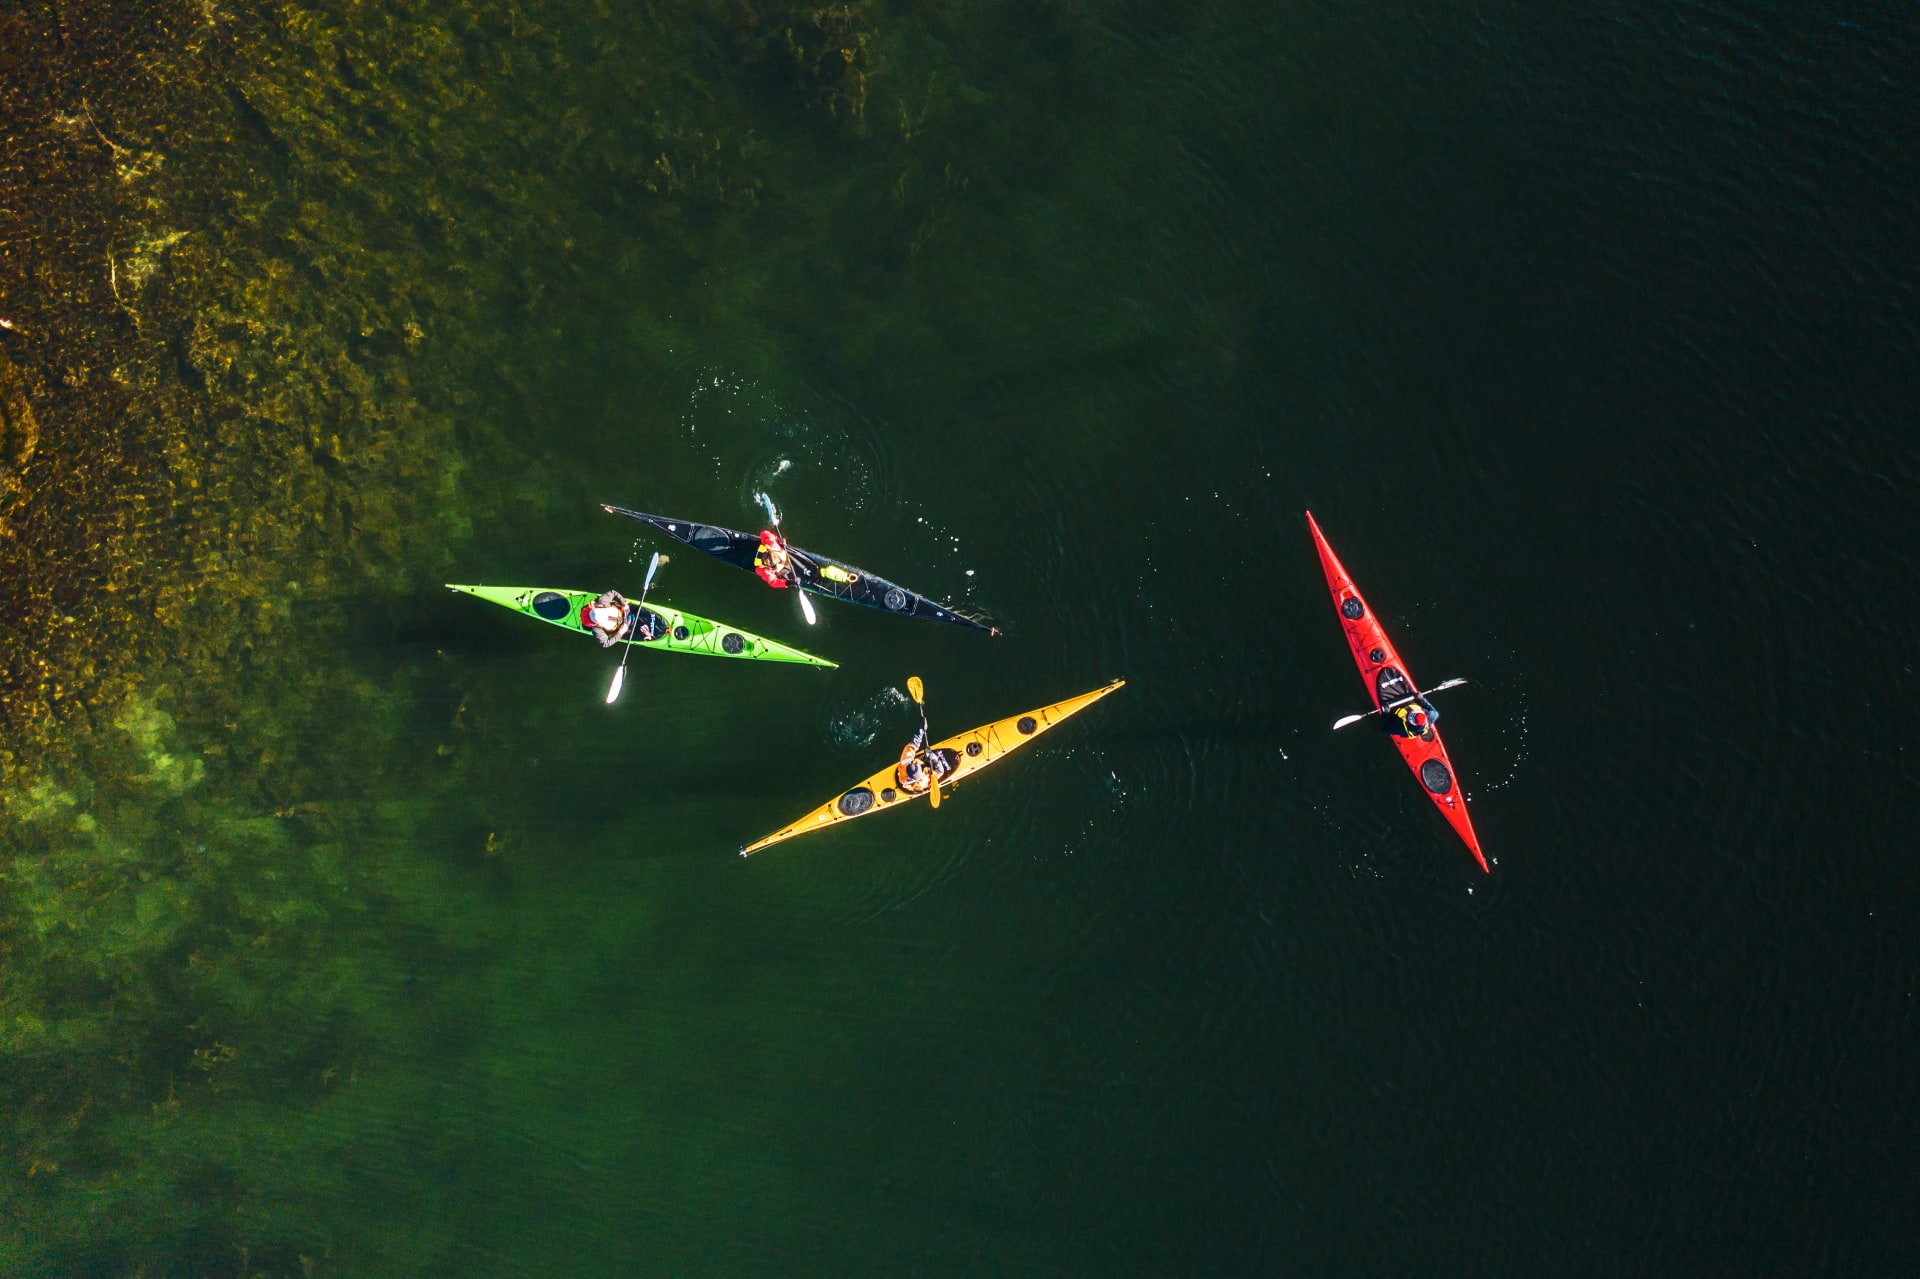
[(762, 559), (586, 617)]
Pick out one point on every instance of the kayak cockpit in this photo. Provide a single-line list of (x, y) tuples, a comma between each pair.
[(1392, 687)]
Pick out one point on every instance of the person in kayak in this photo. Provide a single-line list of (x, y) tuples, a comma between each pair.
[(913, 772), (771, 560), (606, 618), (611, 619), (1416, 718)]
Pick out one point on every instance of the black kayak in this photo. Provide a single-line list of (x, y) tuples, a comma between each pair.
[(816, 573)]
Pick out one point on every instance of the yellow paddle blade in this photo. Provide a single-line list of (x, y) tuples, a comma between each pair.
[(915, 687), (934, 795)]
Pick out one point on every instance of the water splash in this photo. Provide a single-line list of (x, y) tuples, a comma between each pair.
[(857, 728), (1512, 742)]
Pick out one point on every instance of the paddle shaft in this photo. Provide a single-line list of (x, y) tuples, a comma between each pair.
[(793, 577), (620, 676), (919, 692), (1346, 720)]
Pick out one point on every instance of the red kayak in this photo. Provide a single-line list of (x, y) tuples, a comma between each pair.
[(1392, 690)]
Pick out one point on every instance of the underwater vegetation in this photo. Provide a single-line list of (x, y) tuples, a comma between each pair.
[(276, 284)]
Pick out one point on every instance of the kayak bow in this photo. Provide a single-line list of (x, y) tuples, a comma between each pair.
[(1389, 685), (811, 572), (964, 756), (679, 632)]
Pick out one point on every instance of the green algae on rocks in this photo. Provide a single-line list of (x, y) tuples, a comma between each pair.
[(266, 276)]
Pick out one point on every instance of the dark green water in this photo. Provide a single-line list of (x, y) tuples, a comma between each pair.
[(1590, 338)]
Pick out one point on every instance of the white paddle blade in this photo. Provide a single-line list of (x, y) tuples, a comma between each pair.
[(653, 566), (619, 678), (1345, 720), (806, 606)]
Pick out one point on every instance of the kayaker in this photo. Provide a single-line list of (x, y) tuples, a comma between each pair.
[(771, 561), (607, 618), (912, 772), (801, 569), (1417, 718)]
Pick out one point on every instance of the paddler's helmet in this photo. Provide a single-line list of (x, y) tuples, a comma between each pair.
[(1416, 718)]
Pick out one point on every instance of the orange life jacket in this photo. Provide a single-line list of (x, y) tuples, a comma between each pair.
[(903, 772)]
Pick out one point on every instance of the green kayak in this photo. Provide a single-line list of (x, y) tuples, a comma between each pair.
[(679, 632)]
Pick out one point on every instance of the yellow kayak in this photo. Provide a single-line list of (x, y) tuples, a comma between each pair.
[(964, 756)]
